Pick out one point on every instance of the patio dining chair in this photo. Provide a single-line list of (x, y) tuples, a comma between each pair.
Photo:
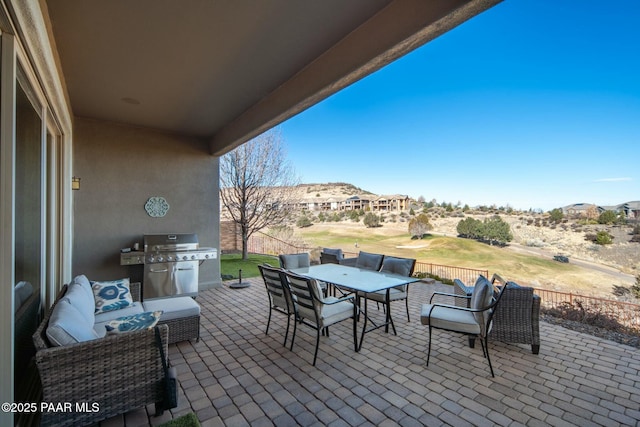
[(280, 299), (331, 256), (474, 320), (402, 267), (369, 261), (291, 261), (318, 312), (301, 260), (517, 321)]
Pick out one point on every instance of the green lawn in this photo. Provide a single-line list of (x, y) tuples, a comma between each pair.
[(231, 263), (528, 269)]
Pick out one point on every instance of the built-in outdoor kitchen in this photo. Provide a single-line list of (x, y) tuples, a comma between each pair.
[(171, 264)]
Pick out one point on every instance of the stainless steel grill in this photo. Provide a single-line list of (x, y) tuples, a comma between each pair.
[(171, 264)]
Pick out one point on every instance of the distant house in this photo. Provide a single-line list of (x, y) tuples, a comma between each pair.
[(578, 209), (630, 209), (355, 203), (396, 202)]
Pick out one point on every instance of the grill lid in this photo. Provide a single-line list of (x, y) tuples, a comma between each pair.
[(170, 242)]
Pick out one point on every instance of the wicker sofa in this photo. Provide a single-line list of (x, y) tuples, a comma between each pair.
[(517, 318), (118, 372)]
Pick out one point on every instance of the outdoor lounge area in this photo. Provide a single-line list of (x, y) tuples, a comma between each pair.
[(236, 375)]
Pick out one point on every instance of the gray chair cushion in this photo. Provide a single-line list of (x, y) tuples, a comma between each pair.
[(401, 266), (481, 298), (450, 319), (369, 261), (337, 252), (292, 261)]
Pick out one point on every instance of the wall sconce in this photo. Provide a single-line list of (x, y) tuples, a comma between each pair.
[(75, 183)]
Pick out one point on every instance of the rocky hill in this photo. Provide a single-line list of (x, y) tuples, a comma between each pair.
[(338, 190)]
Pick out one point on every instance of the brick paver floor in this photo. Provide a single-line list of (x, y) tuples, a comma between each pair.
[(238, 376)]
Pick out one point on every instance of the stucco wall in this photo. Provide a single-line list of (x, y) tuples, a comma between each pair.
[(120, 168)]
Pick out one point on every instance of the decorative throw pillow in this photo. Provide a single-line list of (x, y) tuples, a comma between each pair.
[(136, 322), (111, 295)]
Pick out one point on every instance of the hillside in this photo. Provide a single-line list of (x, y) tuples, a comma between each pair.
[(337, 190)]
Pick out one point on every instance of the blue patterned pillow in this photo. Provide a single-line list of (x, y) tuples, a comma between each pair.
[(112, 295), (136, 322)]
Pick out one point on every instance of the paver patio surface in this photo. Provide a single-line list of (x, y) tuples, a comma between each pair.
[(238, 376)]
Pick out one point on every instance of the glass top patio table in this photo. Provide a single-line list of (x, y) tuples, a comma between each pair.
[(358, 280)]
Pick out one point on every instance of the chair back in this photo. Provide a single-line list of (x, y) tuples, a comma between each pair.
[(401, 266), (277, 287), (328, 258), (308, 296), (369, 261), (337, 252), (291, 261), (485, 298)]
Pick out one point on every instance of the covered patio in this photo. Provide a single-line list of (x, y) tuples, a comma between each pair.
[(236, 375)]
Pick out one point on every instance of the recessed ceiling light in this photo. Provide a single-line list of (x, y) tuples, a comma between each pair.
[(131, 101)]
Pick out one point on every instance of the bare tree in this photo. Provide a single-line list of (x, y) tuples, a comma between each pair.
[(257, 184)]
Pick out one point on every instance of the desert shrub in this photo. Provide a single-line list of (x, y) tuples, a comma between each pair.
[(604, 238), (304, 221), (607, 217), (556, 215), (535, 243), (371, 220)]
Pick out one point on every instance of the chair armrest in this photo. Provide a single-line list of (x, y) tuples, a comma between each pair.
[(455, 296), (345, 298)]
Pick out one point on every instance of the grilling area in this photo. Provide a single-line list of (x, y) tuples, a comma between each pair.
[(171, 264), (236, 375)]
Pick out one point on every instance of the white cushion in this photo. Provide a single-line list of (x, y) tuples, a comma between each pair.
[(450, 318), (68, 326), (173, 308), (135, 308), (82, 301)]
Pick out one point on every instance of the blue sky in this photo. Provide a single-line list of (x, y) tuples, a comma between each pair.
[(532, 104)]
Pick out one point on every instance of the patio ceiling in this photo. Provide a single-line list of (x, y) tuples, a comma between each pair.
[(227, 71)]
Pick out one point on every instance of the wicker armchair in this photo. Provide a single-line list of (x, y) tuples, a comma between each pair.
[(119, 372), (517, 320)]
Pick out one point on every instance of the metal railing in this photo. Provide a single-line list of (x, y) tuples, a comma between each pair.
[(261, 243), (626, 313), (446, 272)]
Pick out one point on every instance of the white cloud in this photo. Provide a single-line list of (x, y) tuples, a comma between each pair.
[(612, 179)]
